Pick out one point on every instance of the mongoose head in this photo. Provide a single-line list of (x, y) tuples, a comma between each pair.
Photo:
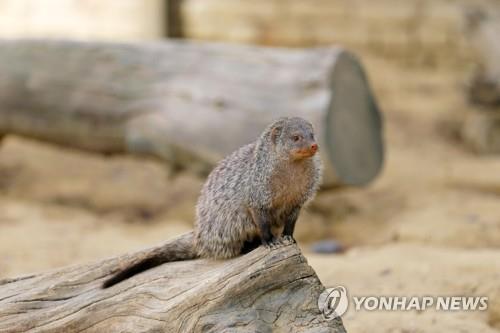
[(293, 138)]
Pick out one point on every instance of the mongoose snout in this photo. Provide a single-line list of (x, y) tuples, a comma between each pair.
[(303, 147)]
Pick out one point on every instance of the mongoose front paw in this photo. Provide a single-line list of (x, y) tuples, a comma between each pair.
[(287, 240), (277, 242)]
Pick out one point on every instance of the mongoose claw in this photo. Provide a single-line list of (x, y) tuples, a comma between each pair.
[(287, 240), (279, 242), (272, 245)]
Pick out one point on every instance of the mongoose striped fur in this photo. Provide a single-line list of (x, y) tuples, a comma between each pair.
[(252, 197)]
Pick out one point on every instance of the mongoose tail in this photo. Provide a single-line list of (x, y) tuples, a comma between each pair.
[(180, 248)]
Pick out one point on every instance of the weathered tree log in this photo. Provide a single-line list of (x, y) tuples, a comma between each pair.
[(263, 291), (189, 103)]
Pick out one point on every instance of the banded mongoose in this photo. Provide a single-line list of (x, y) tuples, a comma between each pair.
[(252, 197)]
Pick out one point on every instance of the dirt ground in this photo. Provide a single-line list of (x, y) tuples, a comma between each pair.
[(429, 225)]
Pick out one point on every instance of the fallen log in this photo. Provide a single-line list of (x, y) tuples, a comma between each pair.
[(189, 103), (263, 291)]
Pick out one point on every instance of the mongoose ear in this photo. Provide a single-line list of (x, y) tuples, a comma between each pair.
[(275, 133)]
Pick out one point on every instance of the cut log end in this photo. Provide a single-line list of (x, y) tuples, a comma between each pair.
[(265, 290), (353, 127)]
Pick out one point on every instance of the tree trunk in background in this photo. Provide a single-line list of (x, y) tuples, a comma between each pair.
[(189, 103), (262, 291), (483, 31), (481, 129)]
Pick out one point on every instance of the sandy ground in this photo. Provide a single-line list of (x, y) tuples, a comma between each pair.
[(429, 225)]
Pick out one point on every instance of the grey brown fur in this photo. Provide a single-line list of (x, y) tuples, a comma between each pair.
[(252, 197)]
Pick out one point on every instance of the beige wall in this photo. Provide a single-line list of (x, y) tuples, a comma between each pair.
[(83, 19), (421, 32)]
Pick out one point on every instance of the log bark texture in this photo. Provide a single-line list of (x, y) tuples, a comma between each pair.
[(263, 291), (189, 103)]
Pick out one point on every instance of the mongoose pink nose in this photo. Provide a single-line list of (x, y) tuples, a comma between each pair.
[(314, 147)]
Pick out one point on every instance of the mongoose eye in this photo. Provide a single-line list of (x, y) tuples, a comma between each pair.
[(296, 138)]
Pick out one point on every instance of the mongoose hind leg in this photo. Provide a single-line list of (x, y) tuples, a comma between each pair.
[(262, 218), (251, 245)]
